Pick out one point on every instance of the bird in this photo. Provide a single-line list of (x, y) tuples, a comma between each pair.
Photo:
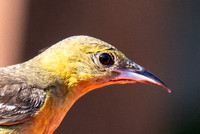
[(36, 95)]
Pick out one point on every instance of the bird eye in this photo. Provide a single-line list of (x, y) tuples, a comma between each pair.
[(106, 59)]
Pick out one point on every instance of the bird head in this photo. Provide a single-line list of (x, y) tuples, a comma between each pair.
[(89, 63)]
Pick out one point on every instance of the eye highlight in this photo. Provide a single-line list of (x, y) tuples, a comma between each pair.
[(106, 59)]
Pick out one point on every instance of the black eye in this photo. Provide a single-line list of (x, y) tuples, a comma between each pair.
[(106, 59)]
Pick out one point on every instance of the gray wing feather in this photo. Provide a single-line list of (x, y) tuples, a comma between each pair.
[(18, 101)]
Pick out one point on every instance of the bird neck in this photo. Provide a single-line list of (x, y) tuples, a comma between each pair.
[(49, 118)]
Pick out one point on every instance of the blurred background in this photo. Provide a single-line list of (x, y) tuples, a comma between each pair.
[(162, 36)]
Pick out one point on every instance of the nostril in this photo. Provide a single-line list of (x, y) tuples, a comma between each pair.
[(135, 67)]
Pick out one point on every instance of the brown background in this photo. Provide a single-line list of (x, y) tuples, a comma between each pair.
[(162, 36)]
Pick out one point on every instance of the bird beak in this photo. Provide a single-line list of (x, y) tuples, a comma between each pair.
[(136, 73)]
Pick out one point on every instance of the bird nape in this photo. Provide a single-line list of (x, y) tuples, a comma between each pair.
[(36, 95)]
